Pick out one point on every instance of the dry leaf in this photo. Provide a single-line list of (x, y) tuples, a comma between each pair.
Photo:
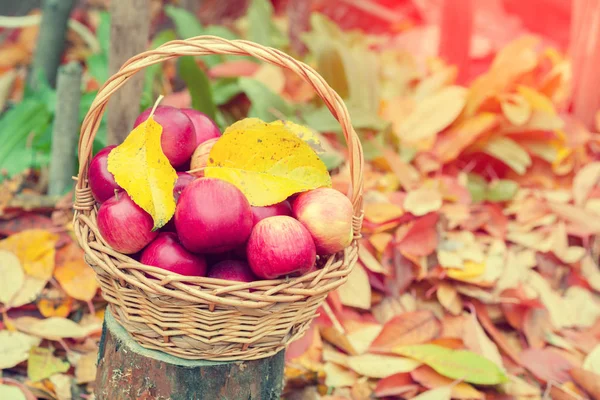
[(509, 152), (356, 292), (590, 381), (369, 261), (468, 273), (30, 290), (516, 109), (441, 393), (85, 371), (536, 100), (337, 376), (62, 386), (14, 348), (592, 361), (151, 181), (379, 213), (76, 277), (432, 380), (547, 365), (394, 385), (266, 162), (54, 303), (42, 364), (361, 338), (423, 201), (406, 329), (433, 114), (35, 250), (449, 298), (55, 328), (584, 181), (378, 366), (11, 276), (520, 388), (477, 341), (11, 393), (452, 143)]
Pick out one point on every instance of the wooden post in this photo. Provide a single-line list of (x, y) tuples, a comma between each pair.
[(128, 371), (51, 40), (129, 31), (66, 129)]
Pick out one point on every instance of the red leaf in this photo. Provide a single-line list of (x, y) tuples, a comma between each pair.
[(496, 335), (497, 223), (407, 329), (547, 365), (394, 385)]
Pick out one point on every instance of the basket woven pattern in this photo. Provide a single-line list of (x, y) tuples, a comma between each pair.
[(199, 317)]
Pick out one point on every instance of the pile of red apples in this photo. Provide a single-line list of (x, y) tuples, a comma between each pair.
[(215, 232)]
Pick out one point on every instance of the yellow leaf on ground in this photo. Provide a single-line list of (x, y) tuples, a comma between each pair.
[(142, 169), (381, 240), (85, 371), (423, 201), (14, 347), (450, 144), (379, 213), (378, 366), (442, 393), (12, 393), (433, 114), (55, 303), (55, 328), (11, 276), (449, 298), (362, 338), (470, 271), (356, 292), (337, 376), (509, 152), (266, 162), (76, 277), (516, 109), (43, 364), (536, 100), (30, 290), (35, 250), (369, 261)]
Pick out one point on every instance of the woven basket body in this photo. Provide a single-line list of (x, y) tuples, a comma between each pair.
[(198, 317)]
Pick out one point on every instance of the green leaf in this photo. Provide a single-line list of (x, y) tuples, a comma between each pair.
[(261, 28), (220, 31), (502, 190), (266, 105), (98, 67), (103, 32), (19, 127), (477, 186), (225, 89), (455, 364), (198, 85), (43, 364), (186, 23)]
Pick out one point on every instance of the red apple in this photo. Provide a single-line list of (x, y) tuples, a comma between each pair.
[(204, 127), (212, 216), (280, 246), (178, 139), (102, 183), (260, 213), (183, 179), (124, 225), (200, 157), (327, 214), (165, 252), (232, 270)]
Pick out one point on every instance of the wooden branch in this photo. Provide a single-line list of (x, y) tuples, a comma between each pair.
[(66, 129), (128, 371), (129, 31), (51, 40)]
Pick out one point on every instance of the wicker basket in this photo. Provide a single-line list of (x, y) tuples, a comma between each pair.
[(203, 318)]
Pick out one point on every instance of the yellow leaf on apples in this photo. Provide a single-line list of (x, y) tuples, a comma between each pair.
[(35, 250), (266, 162), (141, 168)]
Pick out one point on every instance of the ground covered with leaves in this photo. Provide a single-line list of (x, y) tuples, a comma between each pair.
[(478, 269)]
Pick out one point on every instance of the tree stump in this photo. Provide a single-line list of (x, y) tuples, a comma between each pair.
[(128, 371)]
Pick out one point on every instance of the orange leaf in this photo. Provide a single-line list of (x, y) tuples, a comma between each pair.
[(356, 291), (491, 329), (380, 241), (76, 277), (449, 298), (406, 329), (451, 144), (55, 304), (427, 377), (418, 237), (35, 250), (589, 381), (379, 213), (395, 385)]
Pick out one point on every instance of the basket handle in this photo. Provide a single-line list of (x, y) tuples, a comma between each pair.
[(207, 45)]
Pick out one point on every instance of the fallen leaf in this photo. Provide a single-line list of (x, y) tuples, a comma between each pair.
[(55, 328), (151, 186), (356, 291), (493, 331), (419, 237), (423, 201), (455, 364), (379, 213), (519, 388), (369, 261), (406, 329), (433, 114), (452, 143), (378, 366), (516, 109), (584, 181), (14, 348), (76, 277), (547, 364), (394, 385), (362, 338), (266, 162), (468, 273), (11, 392), (85, 371), (537, 100), (588, 380), (11, 276), (337, 376), (27, 293), (449, 298), (43, 364), (442, 393), (54, 303), (477, 341), (62, 386), (35, 250), (592, 361), (432, 380), (509, 152)]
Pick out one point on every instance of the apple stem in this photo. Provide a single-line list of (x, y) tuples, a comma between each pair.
[(191, 171), (156, 103), (117, 194)]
